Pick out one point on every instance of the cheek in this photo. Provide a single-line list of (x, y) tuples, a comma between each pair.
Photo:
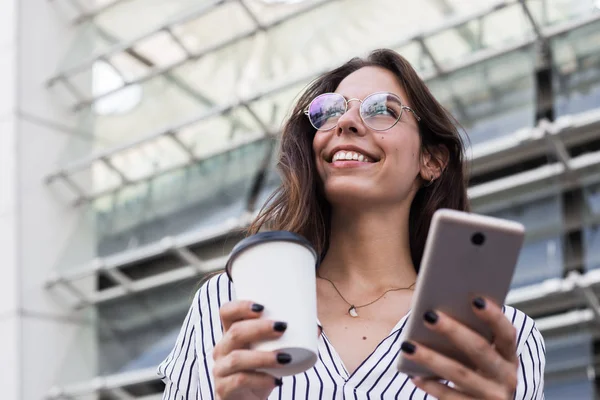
[(405, 154), (318, 145)]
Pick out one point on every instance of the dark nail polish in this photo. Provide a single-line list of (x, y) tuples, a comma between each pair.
[(278, 381), (479, 303), (257, 307), (431, 317), (408, 347), (280, 326), (410, 376), (284, 358)]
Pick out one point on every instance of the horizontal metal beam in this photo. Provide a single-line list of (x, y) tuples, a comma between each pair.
[(87, 197), (555, 294), (153, 250), (547, 179), (169, 277), (125, 286), (95, 385), (528, 143)]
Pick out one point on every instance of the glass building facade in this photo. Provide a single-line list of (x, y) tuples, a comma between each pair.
[(182, 102)]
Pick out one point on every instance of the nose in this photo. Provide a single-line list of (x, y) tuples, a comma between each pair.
[(350, 121)]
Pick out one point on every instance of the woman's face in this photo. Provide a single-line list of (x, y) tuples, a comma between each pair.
[(390, 173)]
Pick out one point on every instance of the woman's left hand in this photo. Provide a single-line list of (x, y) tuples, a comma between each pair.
[(496, 364)]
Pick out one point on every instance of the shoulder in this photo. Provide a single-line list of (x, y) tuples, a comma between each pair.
[(531, 354), (525, 327), (214, 292)]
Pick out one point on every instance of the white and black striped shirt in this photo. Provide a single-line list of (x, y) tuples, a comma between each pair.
[(187, 374)]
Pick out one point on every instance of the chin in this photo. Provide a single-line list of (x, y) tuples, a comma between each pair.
[(360, 194), (348, 193)]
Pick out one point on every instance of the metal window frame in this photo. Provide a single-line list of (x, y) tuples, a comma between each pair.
[(67, 281), (191, 15), (83, 197), (64, 174), (65, 75)]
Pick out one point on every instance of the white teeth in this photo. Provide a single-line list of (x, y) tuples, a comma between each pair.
[(350, 155)]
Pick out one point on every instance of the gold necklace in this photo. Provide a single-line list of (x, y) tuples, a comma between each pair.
[(352, 310)]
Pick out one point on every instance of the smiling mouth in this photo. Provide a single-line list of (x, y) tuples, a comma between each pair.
[(351, 156)]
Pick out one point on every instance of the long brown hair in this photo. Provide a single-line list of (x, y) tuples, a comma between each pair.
[(299, 204)]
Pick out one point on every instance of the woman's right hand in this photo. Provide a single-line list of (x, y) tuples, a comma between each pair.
[(235, 364)]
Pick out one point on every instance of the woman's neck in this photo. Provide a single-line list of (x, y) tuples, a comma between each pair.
[(369, 249)]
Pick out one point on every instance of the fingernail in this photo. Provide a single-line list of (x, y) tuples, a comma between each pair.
[(431, 317), (408, 347), (278, 381), (284, 358), (257, 307), (280, 326), (479, 303)]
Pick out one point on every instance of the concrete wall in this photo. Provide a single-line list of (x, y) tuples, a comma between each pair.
[(41, 341)]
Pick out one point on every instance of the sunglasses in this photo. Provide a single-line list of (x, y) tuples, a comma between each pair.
[(379, 111)]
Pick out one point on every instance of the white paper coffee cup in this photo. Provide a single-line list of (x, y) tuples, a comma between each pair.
[(277, 270)]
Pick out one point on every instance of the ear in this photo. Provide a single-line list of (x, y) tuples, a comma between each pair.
[(433, 162)]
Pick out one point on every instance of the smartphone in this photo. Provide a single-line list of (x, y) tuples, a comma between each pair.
[(465, 255)]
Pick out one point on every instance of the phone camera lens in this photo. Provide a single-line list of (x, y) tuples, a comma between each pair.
[(477, 239)]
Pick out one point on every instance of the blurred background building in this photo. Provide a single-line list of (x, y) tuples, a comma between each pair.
[(138, 136)]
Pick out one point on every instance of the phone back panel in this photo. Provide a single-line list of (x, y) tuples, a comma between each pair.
[(454, 270)]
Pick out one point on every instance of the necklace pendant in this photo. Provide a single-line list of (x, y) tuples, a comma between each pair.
[(352, 312)]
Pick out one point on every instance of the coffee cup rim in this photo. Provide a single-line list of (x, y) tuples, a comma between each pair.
[(270, 236)]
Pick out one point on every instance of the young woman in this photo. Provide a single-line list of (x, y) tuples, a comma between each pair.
[(367, 156)]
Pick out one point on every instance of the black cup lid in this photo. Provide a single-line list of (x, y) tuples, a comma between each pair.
[(270, 236)]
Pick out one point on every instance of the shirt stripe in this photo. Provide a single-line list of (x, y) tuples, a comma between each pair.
[(207, 375), (187, 370)]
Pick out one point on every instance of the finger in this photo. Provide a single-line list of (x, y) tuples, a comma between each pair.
[(249, 360), (481, 353), (231, 384), (237, 311), (505, 334), (446, 368), (243, 333), (439, 390)]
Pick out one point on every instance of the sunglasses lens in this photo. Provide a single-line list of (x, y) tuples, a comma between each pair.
[(381, 111), (325, 110)]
